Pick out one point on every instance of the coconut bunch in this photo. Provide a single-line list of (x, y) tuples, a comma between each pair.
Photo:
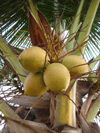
[(45, 74)]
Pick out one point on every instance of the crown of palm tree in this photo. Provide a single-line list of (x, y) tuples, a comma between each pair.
[(14, 21)]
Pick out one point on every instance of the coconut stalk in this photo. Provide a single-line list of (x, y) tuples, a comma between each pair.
[(87, 25), (12, 59), (65, 109), (63, 114)]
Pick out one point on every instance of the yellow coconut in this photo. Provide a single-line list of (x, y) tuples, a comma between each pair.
[(33, 59), (34, 85), (57, 77), (75, 64)]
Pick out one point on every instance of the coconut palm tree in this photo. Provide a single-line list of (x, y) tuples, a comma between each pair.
[(20, 22)]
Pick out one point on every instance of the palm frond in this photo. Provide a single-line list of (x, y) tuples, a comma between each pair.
[(14, 23)]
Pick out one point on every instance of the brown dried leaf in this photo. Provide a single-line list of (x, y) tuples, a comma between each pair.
[(45, 23), (36, 33), (28, 101), (68, 129), (24, 126), (16, 127)]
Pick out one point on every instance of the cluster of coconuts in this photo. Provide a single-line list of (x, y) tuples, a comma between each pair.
[(54, 76)]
